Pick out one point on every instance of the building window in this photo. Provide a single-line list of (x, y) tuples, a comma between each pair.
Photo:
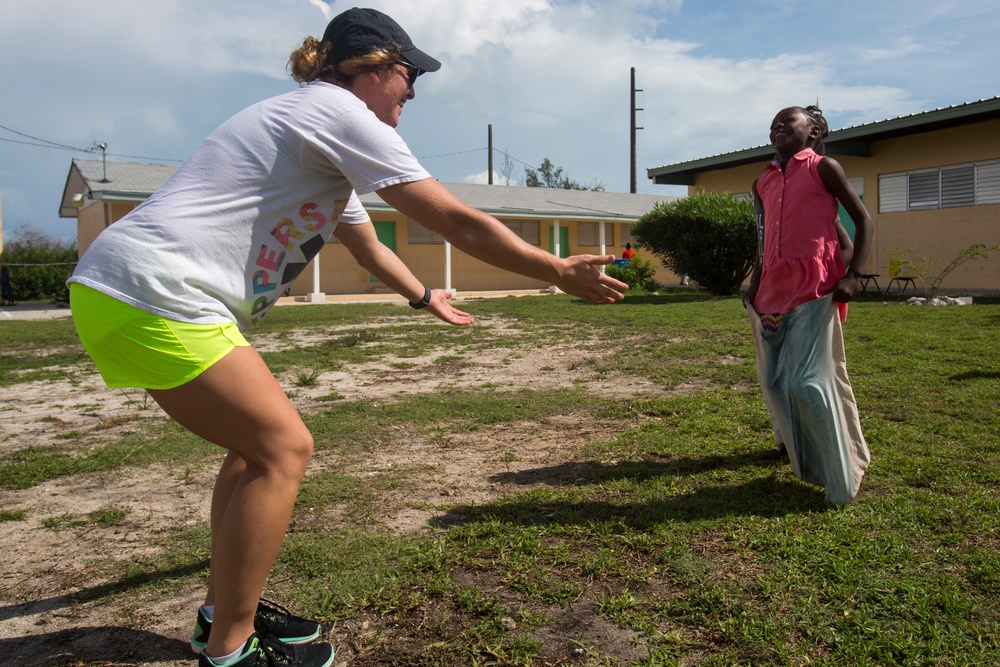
[(626, 236), (526, 229), (988, 182), (589, 233), (945, 187), (417, 235), (923, 191)]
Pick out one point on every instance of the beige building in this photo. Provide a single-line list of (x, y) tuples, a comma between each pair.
[(566, 222), (931, 182)]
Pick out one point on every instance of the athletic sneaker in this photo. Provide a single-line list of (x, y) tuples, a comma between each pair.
[(269, 652), (271, 620)]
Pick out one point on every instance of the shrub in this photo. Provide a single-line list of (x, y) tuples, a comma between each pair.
[(638, 273), (710, 236), (39, 266)]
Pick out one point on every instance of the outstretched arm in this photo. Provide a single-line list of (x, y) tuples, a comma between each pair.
[(380, 261), (431, 205), (758, 213), (836, 182)]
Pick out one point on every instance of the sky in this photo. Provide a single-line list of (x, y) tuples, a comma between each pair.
[(152, 78)]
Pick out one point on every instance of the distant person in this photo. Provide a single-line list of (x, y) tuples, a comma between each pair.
[(629, 253), (797, 299), (6, 291), (161, 298)]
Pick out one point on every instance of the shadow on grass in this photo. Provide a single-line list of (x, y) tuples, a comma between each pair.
[(764, 497), (104, 590), (586, 473), (975, 375), (92, 646), (106, 645)]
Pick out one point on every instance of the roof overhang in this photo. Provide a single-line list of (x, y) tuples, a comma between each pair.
[(853, 141)]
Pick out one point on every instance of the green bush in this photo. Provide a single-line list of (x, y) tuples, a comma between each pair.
[(39, 266), (638, 273), (709, 236)]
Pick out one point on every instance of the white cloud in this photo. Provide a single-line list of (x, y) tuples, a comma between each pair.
[(902, 48)]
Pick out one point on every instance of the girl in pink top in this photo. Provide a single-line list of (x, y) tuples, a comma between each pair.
[(799, 192), (798, 286)]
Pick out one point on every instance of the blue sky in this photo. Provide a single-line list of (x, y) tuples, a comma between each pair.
[(153, 78)]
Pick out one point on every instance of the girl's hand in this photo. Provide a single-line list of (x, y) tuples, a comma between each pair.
[(846, 288), (445, 311)]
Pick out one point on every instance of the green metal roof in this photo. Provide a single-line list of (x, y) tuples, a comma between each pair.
[(855, 140)]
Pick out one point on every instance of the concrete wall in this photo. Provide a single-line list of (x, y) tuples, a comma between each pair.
[(340, 274), (91, 220)]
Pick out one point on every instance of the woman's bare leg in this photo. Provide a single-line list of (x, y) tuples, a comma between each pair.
[(237, 404), (225, 484)]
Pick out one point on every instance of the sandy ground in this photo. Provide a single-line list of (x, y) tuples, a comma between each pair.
[(44, 621)]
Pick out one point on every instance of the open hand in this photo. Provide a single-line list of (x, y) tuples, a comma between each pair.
[(445, 311), (581, 277)]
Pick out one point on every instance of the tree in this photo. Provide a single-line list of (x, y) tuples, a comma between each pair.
[(507, 175), (39, 266), (711, 237), (550, 176)]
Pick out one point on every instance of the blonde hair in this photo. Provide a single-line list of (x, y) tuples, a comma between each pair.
[(311, 62)]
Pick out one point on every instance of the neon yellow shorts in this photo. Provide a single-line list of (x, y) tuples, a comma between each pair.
[(134, 348)]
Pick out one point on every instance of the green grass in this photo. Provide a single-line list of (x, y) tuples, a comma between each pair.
[(676, 538)]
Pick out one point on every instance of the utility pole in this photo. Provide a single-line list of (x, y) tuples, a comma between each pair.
[(103, 147), (632, 128), (490, 151)]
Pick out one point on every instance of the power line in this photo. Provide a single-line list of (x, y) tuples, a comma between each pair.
[(45, 143), (471, 150), (140, 157), (50, 144)]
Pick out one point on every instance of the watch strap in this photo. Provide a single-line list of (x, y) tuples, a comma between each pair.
[(423, 303)]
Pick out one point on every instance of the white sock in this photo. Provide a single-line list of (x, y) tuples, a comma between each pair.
[(208, 610), (224, 660)]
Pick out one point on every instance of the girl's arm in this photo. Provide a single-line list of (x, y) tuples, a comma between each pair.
[(846, 244), (758, 209), (484, 237), (836, 182)]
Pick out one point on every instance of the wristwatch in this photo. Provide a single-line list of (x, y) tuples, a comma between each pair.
[(423, 303)]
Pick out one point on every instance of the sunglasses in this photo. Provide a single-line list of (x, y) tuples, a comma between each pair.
[(412, 71)]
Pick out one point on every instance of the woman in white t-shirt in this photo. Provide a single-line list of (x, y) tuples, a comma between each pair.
[(161, 297)]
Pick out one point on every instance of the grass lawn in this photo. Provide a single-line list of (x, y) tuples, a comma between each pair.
[(679, 537)]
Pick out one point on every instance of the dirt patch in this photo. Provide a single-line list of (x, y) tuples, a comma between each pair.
[(44, 621)]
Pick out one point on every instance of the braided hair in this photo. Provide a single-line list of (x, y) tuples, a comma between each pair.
[(815, 115)]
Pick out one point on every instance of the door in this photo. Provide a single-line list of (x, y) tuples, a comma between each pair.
[(386, 233), (859, 186), (563, 241)]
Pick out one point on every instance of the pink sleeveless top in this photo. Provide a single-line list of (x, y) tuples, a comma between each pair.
[(802, 259)]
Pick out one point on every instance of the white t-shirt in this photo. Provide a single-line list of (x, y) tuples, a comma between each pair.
[(244, 215)]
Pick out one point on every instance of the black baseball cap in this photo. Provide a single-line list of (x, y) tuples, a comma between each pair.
[(359, 31)]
